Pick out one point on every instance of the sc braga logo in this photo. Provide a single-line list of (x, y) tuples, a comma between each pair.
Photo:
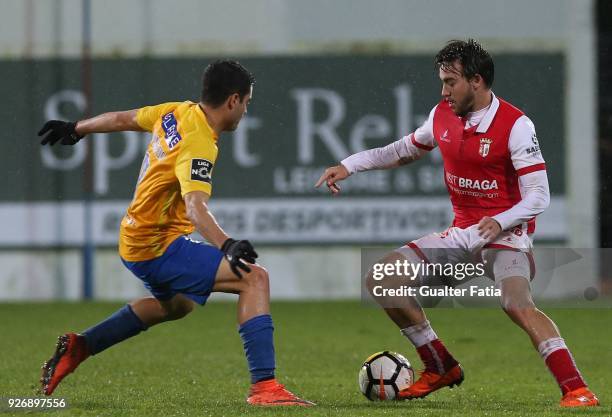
[(201, 170), (485, 146)]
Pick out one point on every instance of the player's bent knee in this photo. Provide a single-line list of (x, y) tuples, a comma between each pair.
[(521, 313), (178, 313), (178, 309), (258, 278), (517, 305), (184, 309)]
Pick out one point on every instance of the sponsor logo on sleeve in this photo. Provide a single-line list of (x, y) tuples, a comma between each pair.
[(535, 149), (170, 126), (201, 170)]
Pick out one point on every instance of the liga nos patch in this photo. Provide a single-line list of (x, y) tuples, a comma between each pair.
[(201, 170)]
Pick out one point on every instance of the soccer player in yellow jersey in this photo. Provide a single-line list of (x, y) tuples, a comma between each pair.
[(170, 201)]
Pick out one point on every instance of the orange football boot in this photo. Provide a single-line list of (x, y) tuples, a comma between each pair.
[(271, 393), (70, 351), (580, 397), (431, 381)]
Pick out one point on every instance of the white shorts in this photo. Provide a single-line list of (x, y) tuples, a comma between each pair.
[(509, 255)]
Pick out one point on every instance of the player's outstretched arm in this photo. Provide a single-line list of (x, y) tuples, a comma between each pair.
[(116, 121), (69, 133), (398, 153), (237, 252), (332, 176)]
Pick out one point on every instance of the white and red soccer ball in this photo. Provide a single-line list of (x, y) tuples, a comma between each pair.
[(384, 374)]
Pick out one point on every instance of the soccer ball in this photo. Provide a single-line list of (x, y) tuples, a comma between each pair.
[(384, 374)]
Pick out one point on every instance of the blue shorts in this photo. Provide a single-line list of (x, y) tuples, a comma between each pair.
[(187, 267)]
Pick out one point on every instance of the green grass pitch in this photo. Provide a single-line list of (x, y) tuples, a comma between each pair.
[(195, 366)]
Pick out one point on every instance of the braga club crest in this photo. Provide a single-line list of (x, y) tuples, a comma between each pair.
[(485, 145)]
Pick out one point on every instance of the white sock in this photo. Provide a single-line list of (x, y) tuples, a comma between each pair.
[(551, 345), (420, 334)]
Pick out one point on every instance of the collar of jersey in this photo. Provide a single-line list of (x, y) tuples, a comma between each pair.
[(200, 111), (487, 119)]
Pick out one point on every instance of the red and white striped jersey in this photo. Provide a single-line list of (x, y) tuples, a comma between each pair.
[(482, 163)]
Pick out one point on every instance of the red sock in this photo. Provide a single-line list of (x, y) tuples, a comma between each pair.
[(436, 358), (562, 366)]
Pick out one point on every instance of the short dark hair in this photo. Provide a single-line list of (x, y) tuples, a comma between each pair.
[(473, 58), (223, 78)]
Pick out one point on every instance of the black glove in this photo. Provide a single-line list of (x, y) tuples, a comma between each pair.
[(237, 251), (59, 130)]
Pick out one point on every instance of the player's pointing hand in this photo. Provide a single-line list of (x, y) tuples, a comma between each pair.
[(331, 176)]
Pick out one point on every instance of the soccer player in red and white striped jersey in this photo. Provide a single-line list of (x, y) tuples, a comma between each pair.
[(496, 179)]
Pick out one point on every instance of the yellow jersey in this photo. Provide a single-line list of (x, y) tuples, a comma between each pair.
[(179, 159)]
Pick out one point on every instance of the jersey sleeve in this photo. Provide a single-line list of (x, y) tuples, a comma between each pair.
[(524, 147), (194, 166), (535, 198), (147, 116), (423, 137), (398, 153), (403, 151)]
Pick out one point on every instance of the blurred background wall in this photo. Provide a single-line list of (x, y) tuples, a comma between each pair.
[(333, 78)]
